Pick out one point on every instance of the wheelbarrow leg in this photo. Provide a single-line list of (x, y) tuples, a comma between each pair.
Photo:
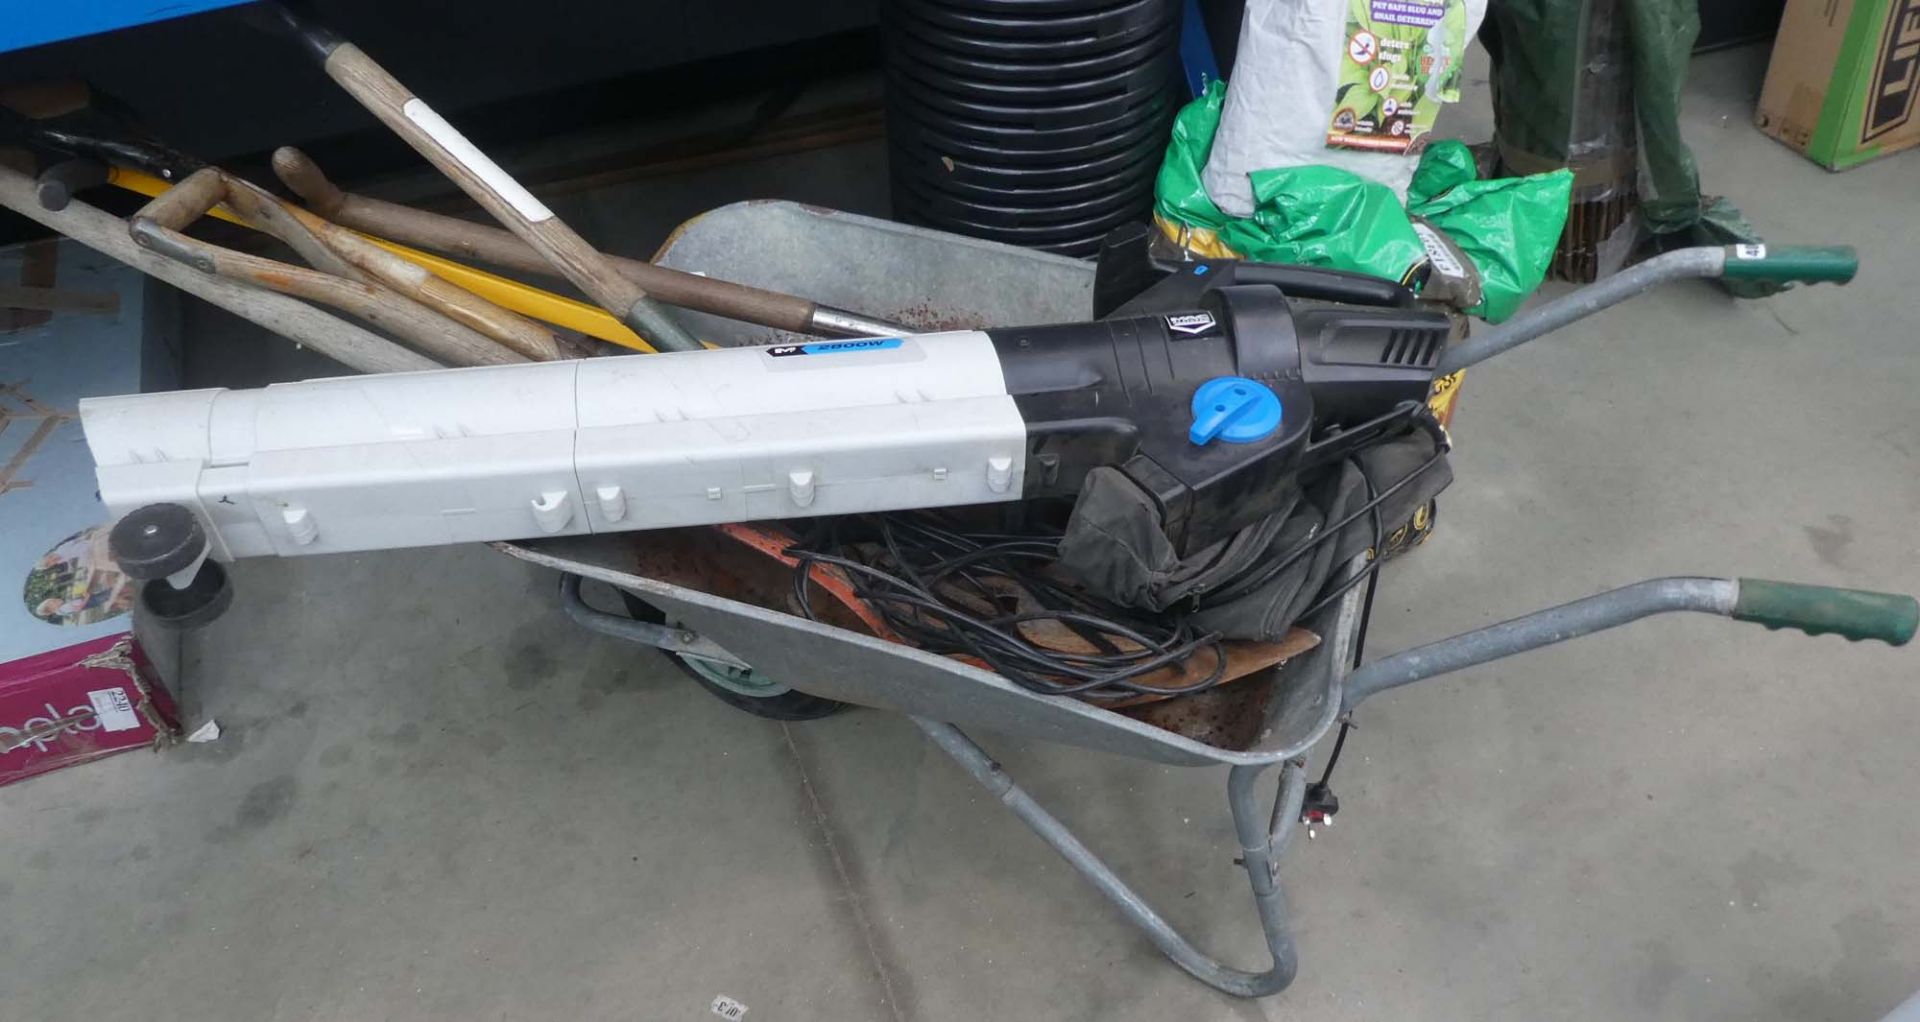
[(1262, 838)]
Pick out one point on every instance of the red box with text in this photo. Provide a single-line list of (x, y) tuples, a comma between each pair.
[(78, 703)]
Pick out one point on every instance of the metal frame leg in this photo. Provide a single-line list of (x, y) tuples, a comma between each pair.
[(1262, 839)]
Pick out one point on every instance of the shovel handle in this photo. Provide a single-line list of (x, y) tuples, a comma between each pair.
[(1853, 614)]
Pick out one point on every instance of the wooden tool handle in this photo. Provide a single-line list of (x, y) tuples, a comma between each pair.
[(304, 177), (404, 224), (370, 262), (297, 321), (516, 332), (469, 240), (187, 201), (262, 210), (498, 193), (156, 227), (423, 329)]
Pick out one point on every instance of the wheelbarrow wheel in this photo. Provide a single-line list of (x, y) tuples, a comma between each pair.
[(743, 689)]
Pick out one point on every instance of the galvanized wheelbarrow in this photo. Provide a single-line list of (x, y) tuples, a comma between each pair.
[(1310, 694), (935, 281)]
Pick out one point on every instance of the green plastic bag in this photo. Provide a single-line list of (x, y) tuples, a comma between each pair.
[(1507, 226), (1323, 216), (1443, 167), (1177, 192), (1313, 216)]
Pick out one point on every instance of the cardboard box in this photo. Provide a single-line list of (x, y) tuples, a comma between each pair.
[(76, 681), (79, 703), (1844, 85)]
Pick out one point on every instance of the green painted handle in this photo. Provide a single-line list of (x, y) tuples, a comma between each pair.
[(1818, 610), (1787, 264)]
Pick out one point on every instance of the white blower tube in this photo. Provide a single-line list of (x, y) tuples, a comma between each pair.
[(570, 448)]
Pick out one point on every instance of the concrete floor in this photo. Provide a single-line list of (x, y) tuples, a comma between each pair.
[(435, 799)]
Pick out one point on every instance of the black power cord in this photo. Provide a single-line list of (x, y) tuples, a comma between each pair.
[(947, 590), (1248, 583), (918, 568)]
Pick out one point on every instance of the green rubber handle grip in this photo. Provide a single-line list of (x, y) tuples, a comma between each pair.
[(1788, 264), (1819, 610)]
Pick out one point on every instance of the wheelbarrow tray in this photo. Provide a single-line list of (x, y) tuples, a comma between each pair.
[(927, 280), (924, 279), (837, 663)]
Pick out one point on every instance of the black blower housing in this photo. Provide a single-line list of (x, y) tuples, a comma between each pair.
[(1120, 391)]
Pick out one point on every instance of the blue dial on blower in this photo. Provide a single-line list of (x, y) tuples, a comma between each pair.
[(1234, 409)]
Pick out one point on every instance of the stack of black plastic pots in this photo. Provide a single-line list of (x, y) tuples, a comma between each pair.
[(1034, 122)]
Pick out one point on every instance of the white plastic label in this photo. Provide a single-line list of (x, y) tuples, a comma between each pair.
[(1749, 251), (858, 351), (728, 1008), (1191, 324), (480, 164), (113, 710), (1438, 253)]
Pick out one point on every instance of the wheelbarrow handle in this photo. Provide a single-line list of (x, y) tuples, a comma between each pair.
[(1816, 610), (1792, 264), (1853, 614), (1780, 264)]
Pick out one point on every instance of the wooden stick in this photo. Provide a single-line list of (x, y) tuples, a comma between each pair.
[(462, 306), (505, 292), (419, 326), (469, 240), (187, 201), (351, 346), (348, 289), (342, 253), (362, 260), (261, 210), (496, 191)]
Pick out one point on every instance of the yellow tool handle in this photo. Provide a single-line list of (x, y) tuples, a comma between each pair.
[(523, 298)]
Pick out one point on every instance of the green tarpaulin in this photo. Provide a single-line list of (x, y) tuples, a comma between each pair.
[(1323, 216)]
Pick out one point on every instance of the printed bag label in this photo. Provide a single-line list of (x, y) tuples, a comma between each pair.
[(1403, 61)]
